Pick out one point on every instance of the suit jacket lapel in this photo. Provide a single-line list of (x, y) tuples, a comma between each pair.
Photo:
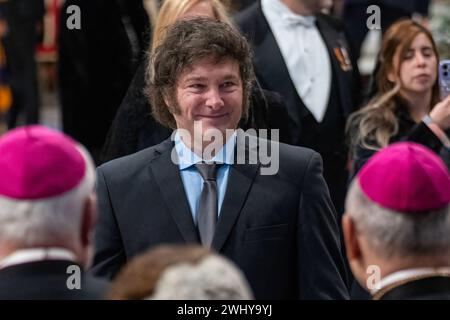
[(272, 70), (335, 39), (240, 180), (167, 176)]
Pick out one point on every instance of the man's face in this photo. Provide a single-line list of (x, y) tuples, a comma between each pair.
[(209, 92)]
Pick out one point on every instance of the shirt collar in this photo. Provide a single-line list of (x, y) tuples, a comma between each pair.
[(406, 274), (36, 254), (188, 158)]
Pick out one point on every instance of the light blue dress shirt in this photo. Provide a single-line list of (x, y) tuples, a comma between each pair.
[(193, 181)]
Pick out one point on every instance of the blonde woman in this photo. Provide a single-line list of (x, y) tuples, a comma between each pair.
[(406, 107), (134, 128), (173, 10)]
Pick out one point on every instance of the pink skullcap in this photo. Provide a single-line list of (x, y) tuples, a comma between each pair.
[(37, 162), (406, 177)]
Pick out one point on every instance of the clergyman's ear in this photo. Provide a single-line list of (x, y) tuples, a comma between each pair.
[(355, 255), (350, 237), (88, 220)]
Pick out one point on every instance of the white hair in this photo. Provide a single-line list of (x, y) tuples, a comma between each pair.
[(213, 278), (395, 234), (53, 221)]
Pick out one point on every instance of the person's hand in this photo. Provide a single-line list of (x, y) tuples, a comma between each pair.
[(440, 114)]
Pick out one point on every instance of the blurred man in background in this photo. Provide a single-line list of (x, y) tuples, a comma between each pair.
[(304, 55), (97, 63), (23, 25)]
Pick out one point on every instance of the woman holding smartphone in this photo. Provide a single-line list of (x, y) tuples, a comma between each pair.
[(407, 106)]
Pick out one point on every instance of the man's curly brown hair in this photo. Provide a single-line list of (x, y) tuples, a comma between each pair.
[(186, 42)]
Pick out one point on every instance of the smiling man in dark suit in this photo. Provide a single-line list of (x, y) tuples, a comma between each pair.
[(277, 225), (303, 55)]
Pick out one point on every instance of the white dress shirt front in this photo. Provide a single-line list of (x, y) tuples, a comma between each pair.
[(305, 54)]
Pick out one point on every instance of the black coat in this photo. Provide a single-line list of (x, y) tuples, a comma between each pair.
[(281, 229), (20, 11), (47, 280), (273, 74), (22, 17), (411, 6), (134, 128), (327, 138), (96, 65)]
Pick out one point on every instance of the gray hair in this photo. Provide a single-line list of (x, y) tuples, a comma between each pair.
[(395, 234), (213, 278), (51, 221)]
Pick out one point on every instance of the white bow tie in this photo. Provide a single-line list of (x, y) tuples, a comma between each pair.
[(294, 19)]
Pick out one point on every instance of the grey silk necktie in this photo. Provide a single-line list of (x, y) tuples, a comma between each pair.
[(207, 207)]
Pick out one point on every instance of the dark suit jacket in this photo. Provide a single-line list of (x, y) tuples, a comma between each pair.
[(411, 6), (281, 230), (47, 280), (272, 72), (20, 43), (328, 138), (20, 11), (432, 288)]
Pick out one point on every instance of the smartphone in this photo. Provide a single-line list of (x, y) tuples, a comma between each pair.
[(444, 78)]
